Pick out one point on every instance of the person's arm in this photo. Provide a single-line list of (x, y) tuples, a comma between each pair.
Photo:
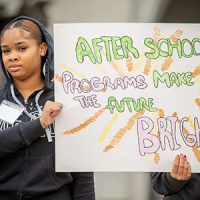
[(164, 184), (83, 186), (14, 138), (170, 183)]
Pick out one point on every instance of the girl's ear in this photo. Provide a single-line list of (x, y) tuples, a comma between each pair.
[(43, 49)]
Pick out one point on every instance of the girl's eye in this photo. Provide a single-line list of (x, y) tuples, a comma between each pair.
[(5, 51), (22, 48)]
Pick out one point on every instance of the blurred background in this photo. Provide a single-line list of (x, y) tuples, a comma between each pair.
[(109, 186)]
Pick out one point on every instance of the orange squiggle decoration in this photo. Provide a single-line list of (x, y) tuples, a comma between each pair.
[(156, 35), (118, 136), (195, 147), (86, 87), (196, 72), (166, 65), (156, 158), (129, 63), (147, 67), (174, 114), (177, 35), (58, 78), (197, 101), (116, 67), (86, 123), (161, 112)]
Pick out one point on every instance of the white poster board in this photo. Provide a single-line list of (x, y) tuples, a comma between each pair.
[(131, 96)]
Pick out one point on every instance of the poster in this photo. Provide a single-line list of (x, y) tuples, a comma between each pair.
[(130, 94)]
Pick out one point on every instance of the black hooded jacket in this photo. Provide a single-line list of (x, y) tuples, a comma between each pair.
[(173, 189), (26, 157)]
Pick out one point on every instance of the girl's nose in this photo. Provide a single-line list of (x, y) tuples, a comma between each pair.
[(13, 56)]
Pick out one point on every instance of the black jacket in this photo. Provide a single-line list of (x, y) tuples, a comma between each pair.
[(173, 189), (26, 157)]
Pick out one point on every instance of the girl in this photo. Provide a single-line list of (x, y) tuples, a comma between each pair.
[(26, 156)]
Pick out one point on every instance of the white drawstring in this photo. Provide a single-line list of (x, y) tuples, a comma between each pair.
[(19, 103), (47, 130)]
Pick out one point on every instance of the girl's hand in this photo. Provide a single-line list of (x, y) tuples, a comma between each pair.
[(50, 111), (181, 169)]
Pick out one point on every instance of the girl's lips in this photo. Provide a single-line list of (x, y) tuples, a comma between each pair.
[(14, 68)]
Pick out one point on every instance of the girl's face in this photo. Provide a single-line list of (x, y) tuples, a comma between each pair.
[(21, 54)]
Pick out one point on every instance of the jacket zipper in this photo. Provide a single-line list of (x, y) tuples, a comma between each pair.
[(20, 191)]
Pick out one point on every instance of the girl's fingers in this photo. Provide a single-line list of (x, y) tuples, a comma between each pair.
[(50, 111), (189, 171), (181, 167), (175, 166), (185, 172), (54, 113), (52, 106)]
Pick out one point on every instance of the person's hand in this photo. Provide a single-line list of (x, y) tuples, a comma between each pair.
[(181, 169), (50, 111)]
